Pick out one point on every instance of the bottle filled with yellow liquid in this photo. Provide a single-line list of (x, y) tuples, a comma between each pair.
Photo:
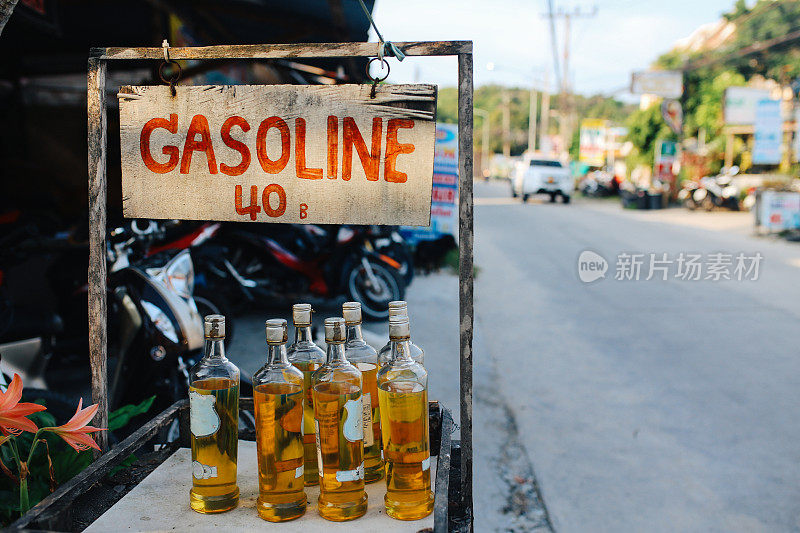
[(339, 431), (403, 394), (214, 424), (399, 308), (307, 357), (278, 396), (365, 358)]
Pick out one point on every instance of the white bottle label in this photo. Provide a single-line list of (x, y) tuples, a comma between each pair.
[(350, 475), (366, 415), (203, 418), (319, 447), (353, 426), (201, 471)]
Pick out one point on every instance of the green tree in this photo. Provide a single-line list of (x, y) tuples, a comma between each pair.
[(645, 128), (490, 99)]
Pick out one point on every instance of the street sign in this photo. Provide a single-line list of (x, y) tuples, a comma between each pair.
[(740, 105), (768, 133), (279, 153), (666, 155), (666, 83), (593, 142)]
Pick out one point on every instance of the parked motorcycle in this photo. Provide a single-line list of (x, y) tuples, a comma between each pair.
[(599, 184), (155, 329), (718, 191), (686, 194), (245, 263)]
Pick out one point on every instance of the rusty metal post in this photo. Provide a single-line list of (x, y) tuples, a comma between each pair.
[(98, 341), (465, 270)]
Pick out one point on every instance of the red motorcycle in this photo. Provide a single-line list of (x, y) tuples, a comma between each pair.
[(239, 263)]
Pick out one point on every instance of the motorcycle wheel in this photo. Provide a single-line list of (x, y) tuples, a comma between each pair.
[(374, 300), (215, 304)]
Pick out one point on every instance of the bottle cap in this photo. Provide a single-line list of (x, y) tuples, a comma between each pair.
[(351, 311), (301, 314), (399, 327), (276, 331), (334, 330), (214, 327), (398, 308)]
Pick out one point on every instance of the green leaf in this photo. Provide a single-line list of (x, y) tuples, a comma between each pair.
[(43, 419), (68, 463), (120, 417)]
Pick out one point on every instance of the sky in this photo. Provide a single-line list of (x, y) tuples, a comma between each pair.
[(623, 36)]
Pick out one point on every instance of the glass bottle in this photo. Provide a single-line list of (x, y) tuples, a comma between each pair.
[(403, 395), (307, 357), (365, 358), (339, 431), (278, 396), (214, 424), (399, 308)]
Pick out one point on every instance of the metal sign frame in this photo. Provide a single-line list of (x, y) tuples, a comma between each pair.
[(97, 141)]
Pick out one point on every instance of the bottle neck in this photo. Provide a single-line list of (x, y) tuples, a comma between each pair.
[(401, 349), (214, 349), (276, 354), (354, 335), (336, 354), (302, 334)]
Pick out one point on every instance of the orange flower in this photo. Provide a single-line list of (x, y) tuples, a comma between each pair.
[(76, 432), (13, 413)]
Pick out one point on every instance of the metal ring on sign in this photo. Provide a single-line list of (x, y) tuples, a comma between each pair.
[(383, 62), (172, 79)]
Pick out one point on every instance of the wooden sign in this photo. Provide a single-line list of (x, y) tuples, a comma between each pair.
[(279, 153)]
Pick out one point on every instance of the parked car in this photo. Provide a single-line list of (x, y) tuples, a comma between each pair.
[(537, 175)]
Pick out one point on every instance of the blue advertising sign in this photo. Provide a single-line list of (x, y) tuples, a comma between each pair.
[(768, 133), (444, 195)]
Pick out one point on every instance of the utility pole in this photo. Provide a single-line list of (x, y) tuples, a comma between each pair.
[(532, 120), (506, 125), (565, 100), (545, 125), (484, 141)]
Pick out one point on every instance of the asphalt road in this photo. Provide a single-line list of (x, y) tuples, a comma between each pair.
[(625, 405), (644, 405)]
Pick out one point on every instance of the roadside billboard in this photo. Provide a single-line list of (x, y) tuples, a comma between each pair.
[(768, 133), (593, 142), (444, 194), (797, 135), (666, 83), (740, 104)]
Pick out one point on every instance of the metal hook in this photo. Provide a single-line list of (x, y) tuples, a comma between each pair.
[(167, 61), (379, 79)]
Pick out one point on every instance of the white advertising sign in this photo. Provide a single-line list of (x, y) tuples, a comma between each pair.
[(666, 83), (740, 104)]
